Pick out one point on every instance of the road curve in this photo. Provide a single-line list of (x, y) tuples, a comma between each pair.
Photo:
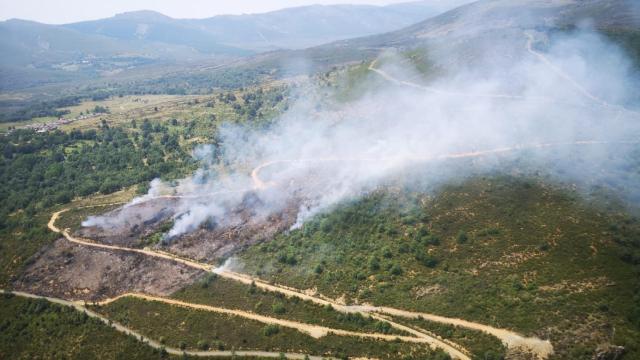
[(156, 345), (511, 339), (259, 183), (455, 352), (86, 242), (315, 331), (542, 348), (556, 70), (390, 78)]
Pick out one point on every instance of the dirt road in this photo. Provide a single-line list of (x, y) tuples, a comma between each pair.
[(511, 339), (315, 331), (556, 70), (86, 242), (156, 345), (542, 348), (259, 183), (435, 90)]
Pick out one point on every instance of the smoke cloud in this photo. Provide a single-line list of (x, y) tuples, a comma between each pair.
[(572, 97)]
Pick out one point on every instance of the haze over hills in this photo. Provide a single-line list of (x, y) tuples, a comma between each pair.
[(495, 21), (290, 28), (36, 54), (150, 52)]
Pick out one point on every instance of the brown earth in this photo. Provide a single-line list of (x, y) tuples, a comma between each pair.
[(72, 271)]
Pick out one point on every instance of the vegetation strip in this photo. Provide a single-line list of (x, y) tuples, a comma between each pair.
[(315, 331), (542, 348), (421, 337), (154, 344)]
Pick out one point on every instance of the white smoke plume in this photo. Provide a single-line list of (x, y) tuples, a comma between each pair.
[(321, 152)]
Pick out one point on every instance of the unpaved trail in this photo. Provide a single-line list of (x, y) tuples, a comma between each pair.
[(156, 345), (86, 242), (541, 348), (390, 78), (259, 183), (315, 331), (454, 350), (556, 70)]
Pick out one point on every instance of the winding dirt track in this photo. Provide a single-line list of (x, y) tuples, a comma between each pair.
[(456, 351), (435, 90), (542, 348), (86, 242), (541, 57), (556, 70), (154, 344), (259, 183), (315, 331), (513, 340)]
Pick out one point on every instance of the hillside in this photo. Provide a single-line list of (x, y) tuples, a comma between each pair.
[(463, 188), (39, 54), (484, 28), (296, 27)]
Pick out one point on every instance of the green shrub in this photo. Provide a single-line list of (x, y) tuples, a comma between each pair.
[(426, 260), (396, 270), (278, 308), (374, 264), (462, 237), (270, 330), (202, 345)]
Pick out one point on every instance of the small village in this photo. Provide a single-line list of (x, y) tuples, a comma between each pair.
[(53, 125)]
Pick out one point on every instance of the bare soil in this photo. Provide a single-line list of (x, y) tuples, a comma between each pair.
[(73, 271)]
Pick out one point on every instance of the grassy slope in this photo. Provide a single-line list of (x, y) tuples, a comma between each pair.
[(537, 259)]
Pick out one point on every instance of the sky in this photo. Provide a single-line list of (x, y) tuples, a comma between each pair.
[(60, 12)]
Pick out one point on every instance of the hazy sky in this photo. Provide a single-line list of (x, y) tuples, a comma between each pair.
[(58, 11)]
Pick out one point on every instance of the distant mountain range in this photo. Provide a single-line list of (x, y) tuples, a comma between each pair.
[(144, 52), (482, 30), (290, 28), (36, 54)]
